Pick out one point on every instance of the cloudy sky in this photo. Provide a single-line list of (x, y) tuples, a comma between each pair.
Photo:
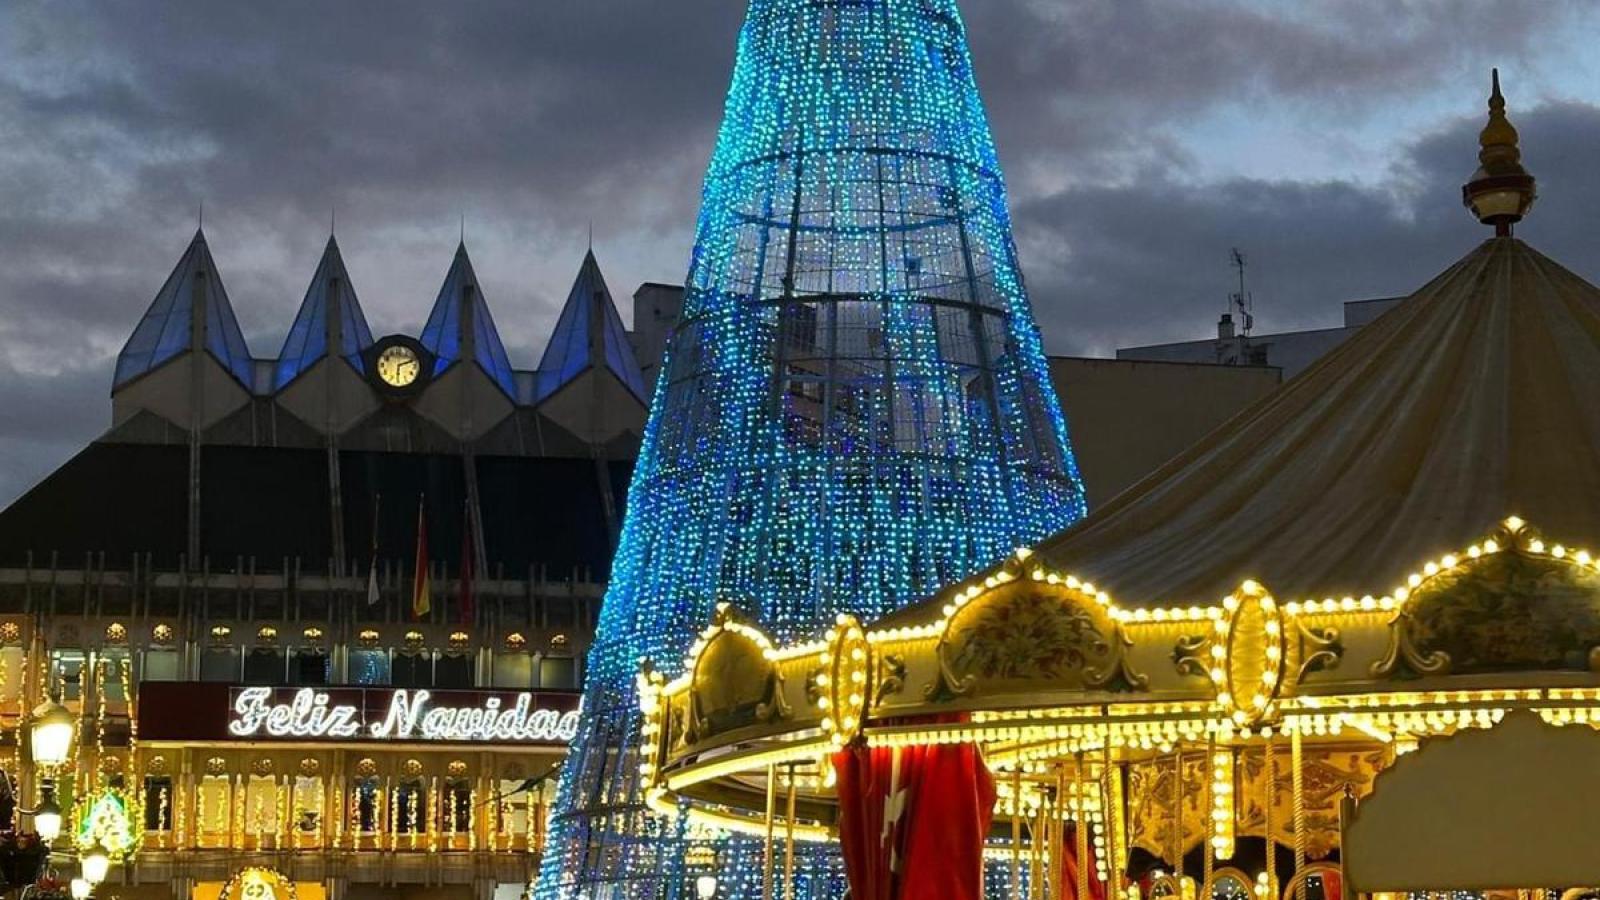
[(1142, 139)]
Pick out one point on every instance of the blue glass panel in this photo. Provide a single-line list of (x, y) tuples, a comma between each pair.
[(308, 337), (300, 348), (223, 337), (442, 335), (573, 349), (619, 352), (164, 331), (491, 352)]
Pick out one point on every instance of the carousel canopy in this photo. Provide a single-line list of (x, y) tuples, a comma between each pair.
[(1470, 401)]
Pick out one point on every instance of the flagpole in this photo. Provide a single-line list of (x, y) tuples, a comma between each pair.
[(373, 594)]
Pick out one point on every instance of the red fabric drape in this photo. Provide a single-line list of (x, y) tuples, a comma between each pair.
[(864, 776), (1069, 878), (912, 821), (951, 807)]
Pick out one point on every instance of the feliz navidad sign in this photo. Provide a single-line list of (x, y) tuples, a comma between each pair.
[(409, 715), (175, 711)]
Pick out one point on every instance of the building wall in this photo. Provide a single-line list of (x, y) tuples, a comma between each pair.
[(1128, 417), (656, 308), (152, 665), (1291, 351)]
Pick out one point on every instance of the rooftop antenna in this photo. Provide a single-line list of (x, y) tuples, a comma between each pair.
[(333, 219), (463, 229), (1242, 301), (200, 217), (591, 235)]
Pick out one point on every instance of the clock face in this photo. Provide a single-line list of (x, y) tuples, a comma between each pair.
[(399, 366)]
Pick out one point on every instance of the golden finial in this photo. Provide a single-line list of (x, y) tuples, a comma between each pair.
[(1501, 192)]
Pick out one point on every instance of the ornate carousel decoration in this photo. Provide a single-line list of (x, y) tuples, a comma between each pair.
[(1243, 677)]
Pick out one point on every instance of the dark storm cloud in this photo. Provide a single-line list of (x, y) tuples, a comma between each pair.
[(1148, 262), (532, 118)]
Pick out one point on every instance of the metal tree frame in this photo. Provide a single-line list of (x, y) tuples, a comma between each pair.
[(855, 408)]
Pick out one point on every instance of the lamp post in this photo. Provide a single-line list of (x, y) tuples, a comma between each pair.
[(47, 815), (50, 735), (50, 738)]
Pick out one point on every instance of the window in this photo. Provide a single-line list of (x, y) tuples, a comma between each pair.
[(264, 665), (410, 808), (458, 806), (262, 807), (307, 804), (369, 666), (113, 669), (157, 803), (219, 664), (558, 672), (214, 808), (12, 660), (453, 671), (310, 666), (412, 670), (161, 665), (366, 805), (67, 673), (513, 670)]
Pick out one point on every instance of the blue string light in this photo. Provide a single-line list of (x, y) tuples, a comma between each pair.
[(854, 411)]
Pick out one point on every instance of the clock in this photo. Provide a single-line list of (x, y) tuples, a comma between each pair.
[(399, 366)]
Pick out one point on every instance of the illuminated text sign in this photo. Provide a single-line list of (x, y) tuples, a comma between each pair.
[(398, 715)]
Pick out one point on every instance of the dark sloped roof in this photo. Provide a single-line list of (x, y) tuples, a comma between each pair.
[(272, 502)]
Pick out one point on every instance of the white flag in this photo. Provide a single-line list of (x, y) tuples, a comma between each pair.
[(372, 584)]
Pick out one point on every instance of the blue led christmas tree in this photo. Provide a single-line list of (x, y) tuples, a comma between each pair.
[(854, 409)]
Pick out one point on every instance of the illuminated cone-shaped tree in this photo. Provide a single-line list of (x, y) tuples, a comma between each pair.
[(855, 407)]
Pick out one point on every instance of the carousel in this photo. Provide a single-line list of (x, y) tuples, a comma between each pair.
[(1348, 644)]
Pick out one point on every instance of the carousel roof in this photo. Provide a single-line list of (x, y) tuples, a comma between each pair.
[(1470, 401)]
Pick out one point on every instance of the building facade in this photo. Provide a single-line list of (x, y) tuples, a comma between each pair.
[(223, 587), (1291, 351)]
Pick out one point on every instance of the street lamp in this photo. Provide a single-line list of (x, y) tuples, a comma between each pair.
[(51, 734), (47, 817), (705, 887), (96, 863), (81, 888)]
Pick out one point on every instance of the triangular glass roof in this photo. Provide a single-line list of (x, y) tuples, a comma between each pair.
[(165, 331), (589, 334), (308, 337), (443, 333)]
